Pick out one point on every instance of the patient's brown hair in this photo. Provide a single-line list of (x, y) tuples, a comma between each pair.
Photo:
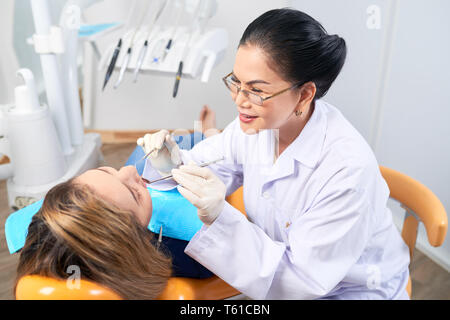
[(76, 227)]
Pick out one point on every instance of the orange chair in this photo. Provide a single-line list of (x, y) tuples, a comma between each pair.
[(212, 288), (34, 287), (421, 205)]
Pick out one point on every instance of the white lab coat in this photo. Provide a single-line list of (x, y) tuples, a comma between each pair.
[(318, 225)]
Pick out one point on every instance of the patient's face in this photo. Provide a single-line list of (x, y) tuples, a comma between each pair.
[(124, 188)]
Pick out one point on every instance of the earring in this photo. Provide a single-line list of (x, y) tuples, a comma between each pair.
[(298, 113)]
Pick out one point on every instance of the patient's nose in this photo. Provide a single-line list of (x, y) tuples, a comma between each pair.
[(129, 173)]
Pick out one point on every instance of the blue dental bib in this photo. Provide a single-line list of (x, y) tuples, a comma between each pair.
[(176, 215)]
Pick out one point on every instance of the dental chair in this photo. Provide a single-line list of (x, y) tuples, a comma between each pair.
[(420, 205), (419, 202), (34, 287)]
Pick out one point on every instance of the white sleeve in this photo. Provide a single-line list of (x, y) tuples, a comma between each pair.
[(323, 244)]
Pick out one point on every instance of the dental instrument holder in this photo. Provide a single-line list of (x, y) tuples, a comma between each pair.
[(206, 50), (70, 22), (35, 148)]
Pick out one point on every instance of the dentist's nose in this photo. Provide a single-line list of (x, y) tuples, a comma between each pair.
[(242, 101)]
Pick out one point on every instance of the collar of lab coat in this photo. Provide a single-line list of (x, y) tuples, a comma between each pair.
[(307, 147)]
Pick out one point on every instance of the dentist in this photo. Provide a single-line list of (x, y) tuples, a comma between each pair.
[(317, 224)]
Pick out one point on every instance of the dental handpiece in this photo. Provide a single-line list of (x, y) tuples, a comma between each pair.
[(177, 79), (167, 49), (144, 48), (140, 60), (186, 48), (112, 63), (179, 13), (129, 51), (123, 68)]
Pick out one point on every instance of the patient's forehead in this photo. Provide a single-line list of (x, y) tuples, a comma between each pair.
[(98, 178), (108, 187)]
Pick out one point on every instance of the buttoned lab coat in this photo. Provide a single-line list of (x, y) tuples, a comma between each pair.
[(318, 225)]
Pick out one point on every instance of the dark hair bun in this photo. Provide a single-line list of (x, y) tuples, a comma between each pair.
[(298, 46)]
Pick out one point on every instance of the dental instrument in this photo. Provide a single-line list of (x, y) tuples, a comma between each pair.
[(159, 238), (112, 64), (140, 60), (170, 176), (159, 48), (144, 49), (204, 11), (177, 79), (143, 158), (158, 51), (115, 55), (186, 46), (175, 28), (129, 51), (146, 156)]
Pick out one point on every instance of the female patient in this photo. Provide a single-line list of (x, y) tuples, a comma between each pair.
[(98, 222)]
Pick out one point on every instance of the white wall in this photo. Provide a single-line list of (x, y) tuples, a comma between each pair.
[(395, 88), (414, 135)]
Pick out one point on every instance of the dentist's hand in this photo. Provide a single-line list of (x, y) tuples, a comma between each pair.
[(203, 189), (166, 155)]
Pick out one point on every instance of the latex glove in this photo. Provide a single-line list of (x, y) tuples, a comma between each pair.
[(202, 188), (167, 154)]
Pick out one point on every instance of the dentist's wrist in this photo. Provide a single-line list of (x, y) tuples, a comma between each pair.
[(210, 217)]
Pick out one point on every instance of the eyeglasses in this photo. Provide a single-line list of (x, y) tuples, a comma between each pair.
[(252, 97)]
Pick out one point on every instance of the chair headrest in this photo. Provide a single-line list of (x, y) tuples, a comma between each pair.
[(35, 287)]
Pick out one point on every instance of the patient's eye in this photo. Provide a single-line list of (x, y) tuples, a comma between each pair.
[(137, 194)]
